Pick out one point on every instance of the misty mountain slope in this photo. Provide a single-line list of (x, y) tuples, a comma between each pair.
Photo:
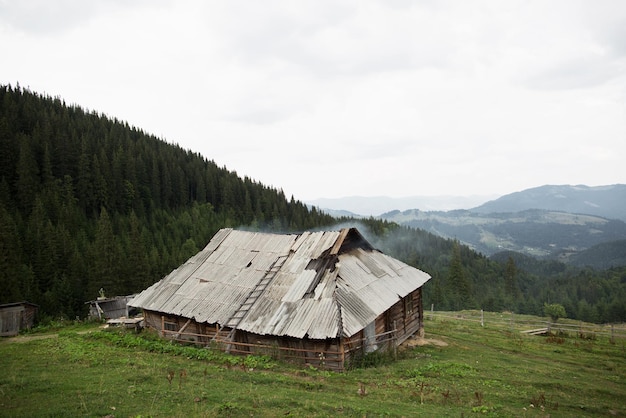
[(605, 201), (538, 233), (601, 256), (557, 222)]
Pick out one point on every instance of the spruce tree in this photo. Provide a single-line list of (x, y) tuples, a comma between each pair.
[(105, 258), (10, 261), (510, 279), (27, 183), (458, 282)]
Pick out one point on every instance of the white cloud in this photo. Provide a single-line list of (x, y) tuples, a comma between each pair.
[(327, 99)]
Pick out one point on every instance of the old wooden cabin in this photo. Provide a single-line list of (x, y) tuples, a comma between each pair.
[(322, 298)]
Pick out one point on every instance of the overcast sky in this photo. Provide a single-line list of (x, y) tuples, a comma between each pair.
[(336, 98)]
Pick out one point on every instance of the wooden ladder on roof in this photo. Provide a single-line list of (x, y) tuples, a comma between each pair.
[(251, 299)]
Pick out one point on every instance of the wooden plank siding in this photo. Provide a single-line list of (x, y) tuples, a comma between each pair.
[(15, 317), (392, 327)]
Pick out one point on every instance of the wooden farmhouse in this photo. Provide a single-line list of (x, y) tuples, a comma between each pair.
[(322, 298)]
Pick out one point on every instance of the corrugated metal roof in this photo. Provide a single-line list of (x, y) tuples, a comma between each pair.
[(341, 299)]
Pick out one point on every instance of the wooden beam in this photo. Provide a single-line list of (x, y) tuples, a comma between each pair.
[(100, 311), (177, 335), (342, 236)]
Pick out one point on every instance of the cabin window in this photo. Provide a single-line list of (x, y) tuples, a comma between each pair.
[(170, 326)]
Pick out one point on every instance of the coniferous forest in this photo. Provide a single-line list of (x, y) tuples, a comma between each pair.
[(88, 202)]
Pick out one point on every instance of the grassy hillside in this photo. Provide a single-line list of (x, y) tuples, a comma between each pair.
[(466, 370)]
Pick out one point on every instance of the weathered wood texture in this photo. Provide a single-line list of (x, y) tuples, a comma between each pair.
[(392, 328), (322, 298), (109, 308), (15, 317)]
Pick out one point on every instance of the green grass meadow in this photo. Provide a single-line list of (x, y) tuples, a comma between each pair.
[(482, 371)]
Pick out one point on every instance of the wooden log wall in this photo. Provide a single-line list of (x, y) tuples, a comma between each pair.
[(325, 354), (392, 328)]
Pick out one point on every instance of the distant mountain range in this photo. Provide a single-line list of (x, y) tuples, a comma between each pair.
[(580, 225), (360, 206), (535, 232), (605, 201)]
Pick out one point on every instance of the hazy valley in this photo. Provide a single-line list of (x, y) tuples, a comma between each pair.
[(580, 225)]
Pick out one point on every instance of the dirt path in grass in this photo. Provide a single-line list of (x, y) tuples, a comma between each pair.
[(27, 338)]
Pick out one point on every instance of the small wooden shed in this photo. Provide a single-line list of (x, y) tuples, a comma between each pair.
[(110, 308), (17, 316), (322, 298)]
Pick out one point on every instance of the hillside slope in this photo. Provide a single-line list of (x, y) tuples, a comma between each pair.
[(601, 256), (535, 232), (89, 203), (604, 201)]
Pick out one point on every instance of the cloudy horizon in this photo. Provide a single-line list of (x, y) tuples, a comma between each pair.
[(332, 99)]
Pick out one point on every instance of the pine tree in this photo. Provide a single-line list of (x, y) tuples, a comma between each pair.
[(47, 178), (100, 186), (105, 258), (458, 282), (9, 150), (27, 183), (435, 292), (510, 279), (9, 259), (137, 271), (37, 246), (84, 183)]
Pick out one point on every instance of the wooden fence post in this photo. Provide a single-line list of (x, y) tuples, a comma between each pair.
[(612, 333), (394, 341), (342, 348)]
